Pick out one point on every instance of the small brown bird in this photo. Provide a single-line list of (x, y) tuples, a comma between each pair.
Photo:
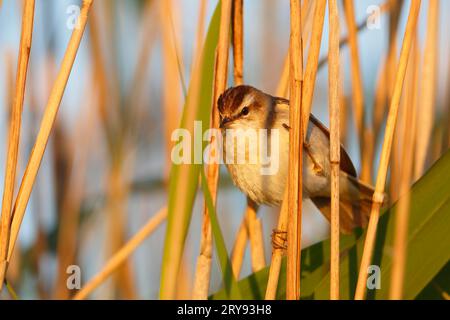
[(244, 108)]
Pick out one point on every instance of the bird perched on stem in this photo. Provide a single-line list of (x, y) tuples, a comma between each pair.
[(244, 109)]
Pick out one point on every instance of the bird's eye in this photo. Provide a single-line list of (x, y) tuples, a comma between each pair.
[(245, 111)]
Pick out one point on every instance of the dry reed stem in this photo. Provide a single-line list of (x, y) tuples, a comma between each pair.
[(138, 84), (392, 59), (313, 60), (117, 195), (10, 70), (308, 87), (14, 266), (334, 78), (343, 112), (71, 203), (46, 126), (371, 132), (14, 133), (238, 41), (123, 254), (109, 112), (201, 283), (200, 31), (283, 84), (172, 85), (402, 217), (308, 12), (397, 153), (385, 83), (355, 67), (279, 242), (428, 90), (360, 27), (256, 238), (194, 92), (238, 252), (250, 228), (386, 150), (380, 100), (295, 155), (100, 74), (251, 225)]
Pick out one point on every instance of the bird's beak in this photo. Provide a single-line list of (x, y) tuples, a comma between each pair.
[(224, 122)]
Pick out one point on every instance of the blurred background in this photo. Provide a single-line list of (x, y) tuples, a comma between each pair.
[(106, 166)]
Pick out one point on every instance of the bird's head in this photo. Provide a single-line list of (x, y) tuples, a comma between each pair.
[(244, 107)]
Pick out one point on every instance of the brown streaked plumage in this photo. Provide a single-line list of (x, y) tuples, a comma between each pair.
[(245, 107)]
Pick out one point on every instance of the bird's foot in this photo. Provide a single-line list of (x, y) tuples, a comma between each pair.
[(279, 239)]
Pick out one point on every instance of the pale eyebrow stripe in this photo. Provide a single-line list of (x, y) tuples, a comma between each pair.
[(248, 100)]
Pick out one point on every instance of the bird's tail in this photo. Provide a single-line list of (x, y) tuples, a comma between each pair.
[(355, 203)]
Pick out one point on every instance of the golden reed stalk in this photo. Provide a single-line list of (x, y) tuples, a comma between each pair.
[(203, 271), (386, 150), (295, 155), (313, 60), (72, 198), (46, 126), (408, 138), (251, 226), (249, 223), (279, 248), (308, 91), (238, 41), (283, 84), (172, 83), (355, 67), (428, 89), (335, 145), (14, 133)]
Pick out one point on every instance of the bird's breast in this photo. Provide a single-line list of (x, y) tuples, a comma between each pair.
[(246, 167)]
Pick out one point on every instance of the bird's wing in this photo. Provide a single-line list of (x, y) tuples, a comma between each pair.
[(346, 163)]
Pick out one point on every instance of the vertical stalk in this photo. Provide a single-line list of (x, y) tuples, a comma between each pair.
[(313, 61), (386, 150), (14, 134), (371, 132), (279, 247), (333, 78), (199, 32), (203, 271), (255, 234), (46, 126), (307, 94), (356, 76), (72, 200), (238, 41), (402, 217), (171, 87), (295, 155), (428, 89)]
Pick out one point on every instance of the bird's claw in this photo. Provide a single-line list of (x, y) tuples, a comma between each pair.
[(279, 239)]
